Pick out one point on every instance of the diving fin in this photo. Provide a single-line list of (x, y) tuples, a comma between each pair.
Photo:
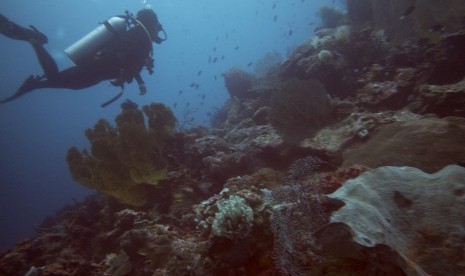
[(28, 85), (15, 31)]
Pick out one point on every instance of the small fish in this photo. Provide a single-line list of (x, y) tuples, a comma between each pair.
[(222, 57), (311, 23), (290, 32), (407, 12), (216, 78), (215, 59), (249, 64), (187, 104), (274, 6), (197, 86), (175, 104), (192, 84), (203, 96), (275, 18), (180, 92), (199, 73), (236, 48), (209, 59), (214, 49)]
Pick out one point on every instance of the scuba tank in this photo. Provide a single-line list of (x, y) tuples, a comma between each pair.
[(90, 44)]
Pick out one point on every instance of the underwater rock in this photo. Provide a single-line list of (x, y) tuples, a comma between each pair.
[(427, 143), (209, 145), (333, 58), (385, 95), (442, 100), (418, 24), (401, 218), (356, 128), (222, 166)]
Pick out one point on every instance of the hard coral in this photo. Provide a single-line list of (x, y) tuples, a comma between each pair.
[(125, 161)]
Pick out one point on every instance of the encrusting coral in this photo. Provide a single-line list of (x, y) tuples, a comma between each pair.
[(125, 161)]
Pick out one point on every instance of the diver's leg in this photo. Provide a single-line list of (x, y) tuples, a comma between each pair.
[(15, 31), (76, 77), (46, 61)]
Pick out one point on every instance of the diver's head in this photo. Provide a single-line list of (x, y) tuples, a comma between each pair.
[(150, 21)]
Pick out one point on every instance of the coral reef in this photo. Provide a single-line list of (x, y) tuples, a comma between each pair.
[(399, 27), (287, 181), (127, 160)]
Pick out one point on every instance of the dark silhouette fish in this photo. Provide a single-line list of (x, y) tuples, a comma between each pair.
[(275, 18), (199, 73)]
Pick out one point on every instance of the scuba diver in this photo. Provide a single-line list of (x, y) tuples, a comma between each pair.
[(117, 50)]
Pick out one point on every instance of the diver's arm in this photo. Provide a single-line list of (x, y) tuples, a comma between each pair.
[(140, 82)]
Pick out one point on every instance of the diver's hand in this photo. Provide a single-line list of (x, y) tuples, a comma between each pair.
[(142, 89)]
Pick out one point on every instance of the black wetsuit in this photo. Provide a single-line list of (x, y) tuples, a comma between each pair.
[(121, 61)]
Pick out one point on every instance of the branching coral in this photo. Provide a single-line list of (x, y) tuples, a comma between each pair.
[(299, 108), (125, 161)]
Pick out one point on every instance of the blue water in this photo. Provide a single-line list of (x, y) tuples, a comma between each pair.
[(38, 129)]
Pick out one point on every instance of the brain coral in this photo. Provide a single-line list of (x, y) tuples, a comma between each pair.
[(125, 161)]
